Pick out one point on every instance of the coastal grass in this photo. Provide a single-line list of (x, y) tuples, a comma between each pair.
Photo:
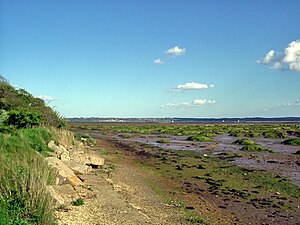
[(24, 178)]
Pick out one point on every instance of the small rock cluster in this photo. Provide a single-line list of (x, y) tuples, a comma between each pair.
[(68, 166)]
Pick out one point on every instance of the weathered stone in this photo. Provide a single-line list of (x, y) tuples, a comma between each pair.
[(64, 171), (77, 155), (65, 156), (59, 151), (78, 168), (56, 197), (66, 193), (54, 147), (93, 160)]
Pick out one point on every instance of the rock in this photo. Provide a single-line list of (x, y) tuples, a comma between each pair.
[(56, 198), (93, 160), (66, 192), (78, 168), (77, 155), (59, 151), (64, 172), (65, 156), (297, 152)]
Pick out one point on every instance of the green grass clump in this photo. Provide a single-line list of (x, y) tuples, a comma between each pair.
[(126, 136), (292, 141), (194, 219), (199, 138), (162, 141), (24, 178), (254, 148), (243, 142), (78, 202)]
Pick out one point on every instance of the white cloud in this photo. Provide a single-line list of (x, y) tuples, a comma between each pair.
[(176, 51), (203, 102), (46, 98), (192, 86), (292, 55), (276, 66), (286, 104), (267, 59), (289, 60), (158, 61), (194, 103)]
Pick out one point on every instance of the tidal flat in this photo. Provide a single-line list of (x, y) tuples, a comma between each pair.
[(250, 171)]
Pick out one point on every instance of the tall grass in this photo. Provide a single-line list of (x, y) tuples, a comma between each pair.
[(24, 176)]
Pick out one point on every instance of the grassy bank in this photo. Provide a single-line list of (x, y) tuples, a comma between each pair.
[(24, 177)]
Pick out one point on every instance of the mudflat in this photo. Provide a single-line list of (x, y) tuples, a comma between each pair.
[(203, 174)]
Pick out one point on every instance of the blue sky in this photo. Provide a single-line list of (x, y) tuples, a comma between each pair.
[(138, 58)]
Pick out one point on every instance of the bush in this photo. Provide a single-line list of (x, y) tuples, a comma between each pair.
[(22, 119), (254, 148), (243, 142), (292, 141), (198, 138)]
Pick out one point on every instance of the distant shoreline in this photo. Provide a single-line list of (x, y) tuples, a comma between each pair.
[(186, 120)]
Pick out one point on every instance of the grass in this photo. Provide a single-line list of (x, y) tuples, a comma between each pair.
[(162, 141), (243, 142), (199, 138), (254, 148), (292, 141), (78, 202), (24, 178)]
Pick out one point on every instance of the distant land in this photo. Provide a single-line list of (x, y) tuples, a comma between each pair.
[(185, 120)]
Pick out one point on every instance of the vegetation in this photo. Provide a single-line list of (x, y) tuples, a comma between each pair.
[(78, 202), (243, 142), (24, 178), (292, 141), (17, 105), (198, 138), (26, 126)]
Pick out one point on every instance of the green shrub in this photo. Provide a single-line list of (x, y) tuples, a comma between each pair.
[(198, 138), (22, 119), (162, 141), (243, 142), (292, 141), (254, 148), (78, 202)]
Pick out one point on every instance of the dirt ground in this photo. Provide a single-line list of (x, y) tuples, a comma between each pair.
[(130, 196), (122, 198)]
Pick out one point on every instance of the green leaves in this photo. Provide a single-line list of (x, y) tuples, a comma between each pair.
[(23, 119)]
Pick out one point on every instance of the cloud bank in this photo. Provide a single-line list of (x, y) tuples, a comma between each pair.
[(176, 51), (192, 86), (194, 103), (287, 60)]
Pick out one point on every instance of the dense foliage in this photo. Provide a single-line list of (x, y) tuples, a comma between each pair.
[(20, 109)]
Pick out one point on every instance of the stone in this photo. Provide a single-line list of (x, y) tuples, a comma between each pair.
[(56, 198), (78, 168), (54, 147), (64, 172), (59, 151), (77, 155), (93, 160), (66, 192)]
